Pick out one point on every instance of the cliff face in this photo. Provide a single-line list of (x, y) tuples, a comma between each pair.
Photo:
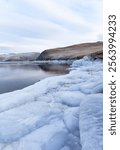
[(19, 57), (73, 52)]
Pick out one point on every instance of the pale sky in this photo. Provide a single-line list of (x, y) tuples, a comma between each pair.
[(35, 25)]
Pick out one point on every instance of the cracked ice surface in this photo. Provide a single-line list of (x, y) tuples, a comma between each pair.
[(57, 113)]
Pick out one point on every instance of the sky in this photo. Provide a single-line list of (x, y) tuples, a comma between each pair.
[(36, 25)]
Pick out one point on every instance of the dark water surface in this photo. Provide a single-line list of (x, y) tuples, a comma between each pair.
[(18, 76)]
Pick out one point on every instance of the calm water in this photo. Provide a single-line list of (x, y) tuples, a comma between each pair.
[(18, 76)]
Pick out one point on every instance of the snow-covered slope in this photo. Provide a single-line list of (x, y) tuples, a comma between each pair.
[(31, 56), (57, 113)]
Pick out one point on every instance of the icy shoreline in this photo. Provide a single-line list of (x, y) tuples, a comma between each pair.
[(38, 62), (57, 113)]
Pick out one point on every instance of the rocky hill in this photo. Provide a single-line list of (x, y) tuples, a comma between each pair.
[(73, 52)]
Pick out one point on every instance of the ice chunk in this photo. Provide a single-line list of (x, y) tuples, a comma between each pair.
[(90, 122)]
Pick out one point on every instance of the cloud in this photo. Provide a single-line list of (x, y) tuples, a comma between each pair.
[(34, 25)]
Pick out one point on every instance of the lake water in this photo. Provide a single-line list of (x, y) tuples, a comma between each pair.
[(18, 76)]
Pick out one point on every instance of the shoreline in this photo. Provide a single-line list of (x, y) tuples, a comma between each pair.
[(56, 109)]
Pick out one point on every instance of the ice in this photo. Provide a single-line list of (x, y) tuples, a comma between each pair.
[(71, 119), (90, 122), (57, 113), (69, 98)]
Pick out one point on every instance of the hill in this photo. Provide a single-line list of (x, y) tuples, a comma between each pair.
[(73, 52)]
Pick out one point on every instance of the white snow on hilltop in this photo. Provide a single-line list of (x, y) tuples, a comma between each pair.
[(57, 113)]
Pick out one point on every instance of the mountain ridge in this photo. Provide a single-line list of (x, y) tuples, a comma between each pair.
[(76, 51)]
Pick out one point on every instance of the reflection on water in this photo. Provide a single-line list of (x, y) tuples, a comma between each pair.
[(18, 76), (53, 68)]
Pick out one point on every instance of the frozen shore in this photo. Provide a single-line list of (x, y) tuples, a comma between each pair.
[(57, 113)]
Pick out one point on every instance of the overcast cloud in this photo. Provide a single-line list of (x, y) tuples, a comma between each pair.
[(35, 25)]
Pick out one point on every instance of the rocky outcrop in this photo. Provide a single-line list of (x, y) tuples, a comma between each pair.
[(73, 52), (19, 57)]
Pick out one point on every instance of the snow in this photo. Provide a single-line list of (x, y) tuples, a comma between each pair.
[(57, 113)]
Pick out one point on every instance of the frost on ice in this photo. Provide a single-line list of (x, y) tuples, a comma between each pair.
[(57, 113)]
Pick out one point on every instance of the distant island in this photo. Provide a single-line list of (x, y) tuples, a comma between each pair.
[(63, 53)]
